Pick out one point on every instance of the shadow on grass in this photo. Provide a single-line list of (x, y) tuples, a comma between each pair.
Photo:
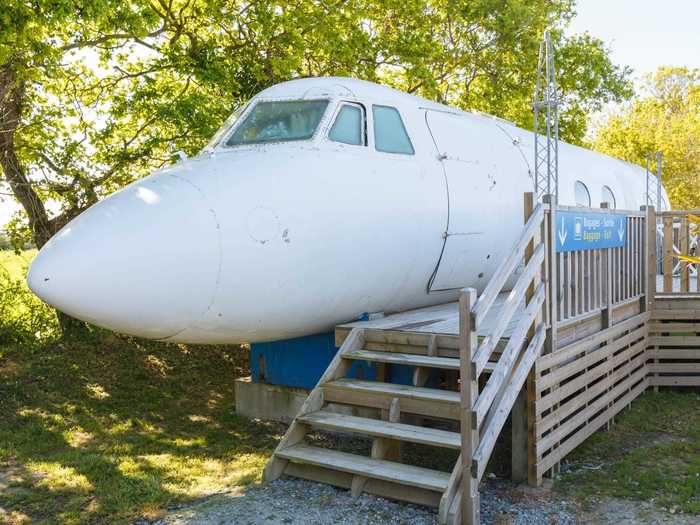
[(109, 430)]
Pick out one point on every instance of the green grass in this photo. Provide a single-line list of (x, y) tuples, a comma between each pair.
[(111, 430), (652, 453)]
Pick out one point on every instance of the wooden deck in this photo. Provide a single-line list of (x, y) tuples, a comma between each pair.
[(442, 319)]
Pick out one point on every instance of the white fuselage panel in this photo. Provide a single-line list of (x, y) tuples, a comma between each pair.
[(265, 242)]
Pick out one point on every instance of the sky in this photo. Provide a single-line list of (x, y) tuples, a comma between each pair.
[(643, 34)]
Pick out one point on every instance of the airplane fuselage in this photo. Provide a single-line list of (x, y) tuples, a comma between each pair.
[(258, 240)]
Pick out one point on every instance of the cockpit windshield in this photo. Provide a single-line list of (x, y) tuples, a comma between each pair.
[(224, 129), (278, 121)]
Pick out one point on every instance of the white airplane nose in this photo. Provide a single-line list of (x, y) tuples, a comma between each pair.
[(145, 261)]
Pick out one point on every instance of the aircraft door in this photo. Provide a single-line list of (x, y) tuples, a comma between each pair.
[(486, 177)]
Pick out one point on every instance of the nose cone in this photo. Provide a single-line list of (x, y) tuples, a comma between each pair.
[(144, 261)]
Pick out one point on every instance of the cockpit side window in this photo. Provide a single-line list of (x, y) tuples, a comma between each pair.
[(389, 132), (279, 121), (349, 125)]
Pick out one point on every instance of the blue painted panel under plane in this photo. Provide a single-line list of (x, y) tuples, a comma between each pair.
[(301, 361)]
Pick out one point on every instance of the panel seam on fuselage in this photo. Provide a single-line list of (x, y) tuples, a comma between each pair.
[(447, 194)]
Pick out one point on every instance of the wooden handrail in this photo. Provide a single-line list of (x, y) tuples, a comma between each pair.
[(453, 486), (504, 402), (508, 358), (506, 268), (511, 303)]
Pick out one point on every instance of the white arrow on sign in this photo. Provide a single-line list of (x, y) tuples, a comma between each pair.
[(562, 232), (621, 232)]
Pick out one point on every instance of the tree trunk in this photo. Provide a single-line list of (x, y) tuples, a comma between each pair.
[(11, 106)]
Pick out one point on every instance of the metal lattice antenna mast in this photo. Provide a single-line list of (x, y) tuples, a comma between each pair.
[(654, 182), (546, 107)]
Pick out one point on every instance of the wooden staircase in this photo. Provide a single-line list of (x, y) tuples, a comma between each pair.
[(586, 341), (467, 418), (391, 414)]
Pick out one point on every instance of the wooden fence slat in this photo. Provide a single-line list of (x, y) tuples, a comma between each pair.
[(587, 343), (591, 358), (669, 354), (683, 247), (590, 410), (571, 407), (573, 441), (674, 381), (667, 263), (687, 340), (558, 395)]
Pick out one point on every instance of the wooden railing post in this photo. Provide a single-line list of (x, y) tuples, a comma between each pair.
[(650, 257), (683, 245), (607, 310), (651, 264), (551, 275), (530, 386), (469, 391), (523, 457), (667, 261)]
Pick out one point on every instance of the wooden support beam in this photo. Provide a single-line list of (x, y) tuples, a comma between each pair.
[(382, 448), (683, 247), (390, 449), (667, 262), (469, 391), (421, 373), (451, 494), (530, 419), (650, 257)]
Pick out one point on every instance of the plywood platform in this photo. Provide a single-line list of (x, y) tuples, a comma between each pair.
[(442, 319)]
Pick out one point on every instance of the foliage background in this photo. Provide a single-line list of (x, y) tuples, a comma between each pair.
[(665, 118), (96, 93)]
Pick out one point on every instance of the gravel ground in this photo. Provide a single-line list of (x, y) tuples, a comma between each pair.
[(297, 502)]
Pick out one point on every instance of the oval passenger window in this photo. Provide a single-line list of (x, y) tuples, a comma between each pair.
[(581, 195), (608, 196)]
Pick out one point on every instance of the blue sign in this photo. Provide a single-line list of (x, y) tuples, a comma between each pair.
[(589, 231)]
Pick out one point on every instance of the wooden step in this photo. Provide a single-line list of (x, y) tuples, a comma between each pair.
[(364, 466), (384, 429), (413, 399), (397, 358), (446, 363)]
